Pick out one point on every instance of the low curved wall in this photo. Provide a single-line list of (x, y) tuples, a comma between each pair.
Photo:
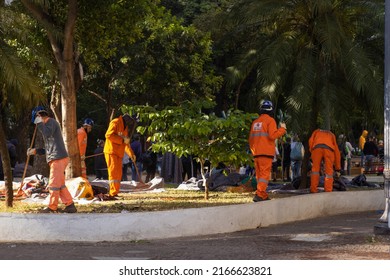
[(186, 222)]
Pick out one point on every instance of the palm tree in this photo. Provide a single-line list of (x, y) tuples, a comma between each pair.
[(306, 54), (18, 92)]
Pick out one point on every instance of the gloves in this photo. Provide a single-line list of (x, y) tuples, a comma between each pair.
[(338, 174), (126, 140), (82, 157), (38, 119), (31, 152), (283, 125)]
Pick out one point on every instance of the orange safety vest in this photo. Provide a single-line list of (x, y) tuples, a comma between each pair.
[(320, 138), (263, 134), (114, 144)]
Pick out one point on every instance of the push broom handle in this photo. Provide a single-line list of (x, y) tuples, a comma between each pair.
[(28, 159)]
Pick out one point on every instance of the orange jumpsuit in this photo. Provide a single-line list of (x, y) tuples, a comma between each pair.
[(114, 149), (82, 138), (262, 138), (323, 146)]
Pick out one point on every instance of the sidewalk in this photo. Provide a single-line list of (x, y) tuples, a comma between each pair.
[(94, 227), (340, 237)]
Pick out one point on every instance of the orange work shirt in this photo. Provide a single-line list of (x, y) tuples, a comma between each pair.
[(263, 134), (114, 139)]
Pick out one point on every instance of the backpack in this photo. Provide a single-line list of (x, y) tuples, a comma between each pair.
[(296, 152), (343, 150)]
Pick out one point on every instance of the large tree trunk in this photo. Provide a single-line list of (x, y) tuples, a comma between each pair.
[(67, 72), (65, 57), (305, 140), (6, 162), (69, 129)]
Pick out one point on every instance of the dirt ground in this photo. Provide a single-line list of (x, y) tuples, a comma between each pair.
[(342, 237)]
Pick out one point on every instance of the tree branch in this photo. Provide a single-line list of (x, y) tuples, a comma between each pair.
[(43, 18), (97, 95)]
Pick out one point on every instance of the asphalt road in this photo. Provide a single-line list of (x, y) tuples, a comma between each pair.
[(342, 237)]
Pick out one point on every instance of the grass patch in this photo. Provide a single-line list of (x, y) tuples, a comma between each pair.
[(141, 202), (170, 199)]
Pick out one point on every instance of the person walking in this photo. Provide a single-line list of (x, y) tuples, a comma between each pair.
[(362, 141), (125, 166), (136, 146), (286, 160), (117, 143), (348, 162), (262, 136), (323, 147), (275, 164), (82, 139), (297, 153), (149, 161), (57, 158), (370, 151), (100, 164), (341, 142)]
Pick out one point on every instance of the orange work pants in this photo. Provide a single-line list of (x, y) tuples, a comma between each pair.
[(317, 155), (56, 186), (114, 168), (263, 166)]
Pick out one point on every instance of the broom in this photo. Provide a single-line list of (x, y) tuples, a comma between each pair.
[(19, 191)]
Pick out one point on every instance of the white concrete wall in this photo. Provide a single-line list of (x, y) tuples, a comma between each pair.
[(186, 222)]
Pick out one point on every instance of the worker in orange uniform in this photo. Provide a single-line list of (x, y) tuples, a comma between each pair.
[(82, 138), (117, 143), (323, 146), (262, 138)]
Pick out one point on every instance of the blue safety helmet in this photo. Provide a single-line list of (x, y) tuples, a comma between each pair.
[(266, 105), (88, 121), (35, 111)]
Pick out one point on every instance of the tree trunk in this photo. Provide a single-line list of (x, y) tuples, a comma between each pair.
[(65, 57), (6, 162), (305, 140), (40, 165), (55, 102), (69, 122), (205, 185), (22, 134)]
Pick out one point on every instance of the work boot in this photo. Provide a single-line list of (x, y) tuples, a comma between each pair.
[(70, 209), (257, 198), (47, 210)]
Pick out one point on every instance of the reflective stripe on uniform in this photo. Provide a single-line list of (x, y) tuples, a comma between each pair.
[(315, 173), (56, 188), (259, 134), (261, 180), (114, 181)]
